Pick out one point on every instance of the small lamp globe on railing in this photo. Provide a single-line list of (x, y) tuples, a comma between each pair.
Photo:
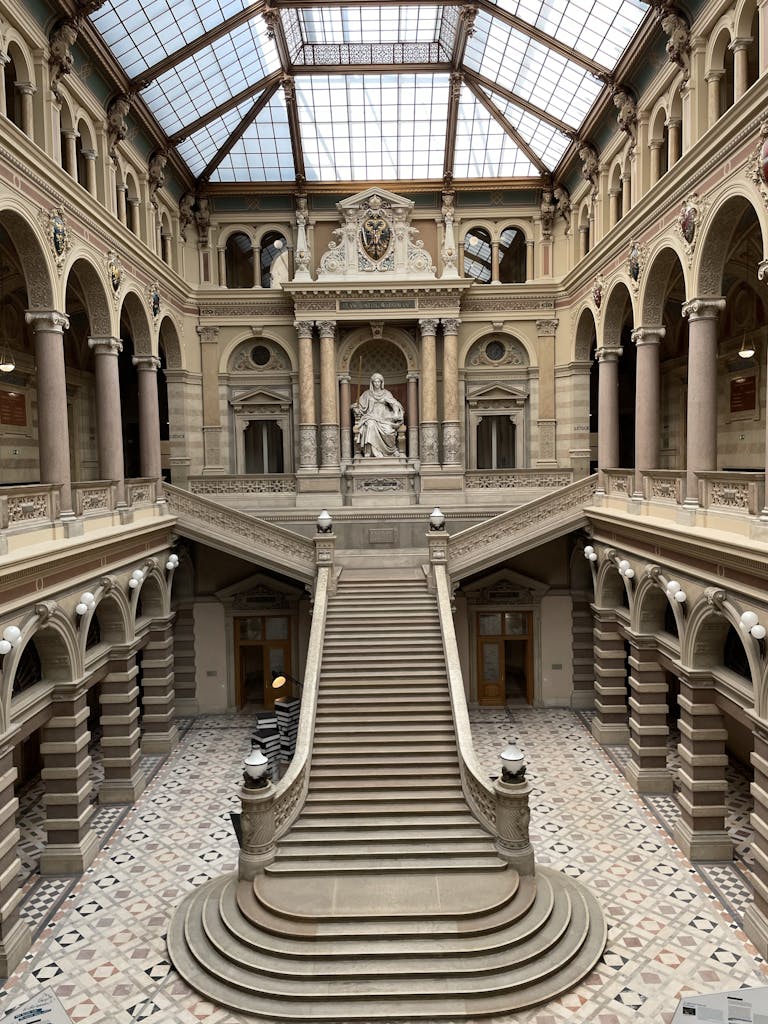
[(86, 603), (324, 522), (11, 639), (436, 520), (676, 592), (255, 768), (136, 577), (512, 764), (626, 570), (590, 554), (749, 623), (173, 562)]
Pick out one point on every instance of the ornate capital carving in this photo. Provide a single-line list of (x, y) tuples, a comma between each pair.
[(105, 346), (45, 609), (428, 326), (715, 597), (327, 329), (546, 328), (451, 325), (648, 335), (703, 308), (608, 354), (148, 363), (304, 328), (207, 335), (47, 320)]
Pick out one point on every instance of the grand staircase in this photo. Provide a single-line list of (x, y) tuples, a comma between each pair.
[(387, 899)]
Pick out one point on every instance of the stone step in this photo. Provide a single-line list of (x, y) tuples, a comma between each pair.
[(337, 774), (384, 675), (345, 811), (373, 784), (364, 865), (388, 719), (385, 731), (361, 753), (403, 795), (356, 687), (433, 819), (384, 849), (377, 833)]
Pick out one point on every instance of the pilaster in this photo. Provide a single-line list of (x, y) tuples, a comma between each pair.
[(610, 725), (160, 734), (647, 771), (15, 936), (124, 781)]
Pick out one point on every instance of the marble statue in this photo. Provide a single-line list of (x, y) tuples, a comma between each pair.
[(378, 416)]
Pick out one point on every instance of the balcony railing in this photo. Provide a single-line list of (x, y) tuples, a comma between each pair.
[(275, 483), (528, 479), (28, 505)]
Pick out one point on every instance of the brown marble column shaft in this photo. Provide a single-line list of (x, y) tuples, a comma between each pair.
[(701, 455), (329, 414), (52, 419), (150, 451), (109, 423), (452, 455), (209, 364), (307, 420), (647, 340), (547, 422), (429, 445)]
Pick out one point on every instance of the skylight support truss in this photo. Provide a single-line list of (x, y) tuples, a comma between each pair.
[(224, 108), (238, 133), (499, 118), (457, 80), (289, 88), (472, 77)]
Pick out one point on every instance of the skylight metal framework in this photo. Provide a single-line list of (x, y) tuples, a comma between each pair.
[(335, 90)]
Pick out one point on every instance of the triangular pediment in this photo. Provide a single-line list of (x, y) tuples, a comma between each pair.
[(497, 392), (259, 591), (361, 198), (505, 587), (260, 396)]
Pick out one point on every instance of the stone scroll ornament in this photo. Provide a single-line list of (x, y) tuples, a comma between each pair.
[(63, 38), (57, 234), (757, 165)]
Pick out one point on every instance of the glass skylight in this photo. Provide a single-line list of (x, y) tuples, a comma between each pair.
[(413, 24), (533, 71), (200, 147), (543, 138), (483, 148), (597, 29), (141, 34), (372, 127), (264, 152), (212, 76)]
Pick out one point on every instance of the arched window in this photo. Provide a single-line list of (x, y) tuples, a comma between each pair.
[(512, 256), (274, 260), (13, 96), (735, 655), (29, 670), (477, 255), (238, 257)]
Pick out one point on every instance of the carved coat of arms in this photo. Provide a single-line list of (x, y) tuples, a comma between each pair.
[(375, 233)]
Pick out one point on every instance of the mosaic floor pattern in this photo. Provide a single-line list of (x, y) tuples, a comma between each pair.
[(101, 938)]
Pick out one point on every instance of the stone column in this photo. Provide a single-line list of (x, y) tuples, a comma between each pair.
[(122, 204), (452, 455), (134, 218), (756, 916), (165, 247), (740, 49), (72, 844), (608, 410), (655, 148), (307, 421), (52, 420), (762, 14), (90, 156), (329, 415), (626, 194), (108, 413), (160, 734), (345, 401), (700, 831), (27, 90), (221, 253), (412, 415), (15, 936), (547, 422), (674, 140), (647, 340), (4, 58), (495, 263), (530, 273), (610, 724), (149, 419), (209, 360), (713, 96), (69, 156), (613, 196), (647, 770), (583, 240), (124, 780), (701, 426), (428, 446)]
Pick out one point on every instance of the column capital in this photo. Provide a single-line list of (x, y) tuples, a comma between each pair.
[(411, 378), (304, 328), (714, 74), (47, 320), (345, 379), (740, 43), (546, 328), (327, 328), (608, 354), (149, 363), (105, 346), (450, 324), (428, 326), (4, 58), (762, 266), (89, 154), (648, 335), (529, 242), (207, 335), (673, 122), (28, 88), (707, 307)]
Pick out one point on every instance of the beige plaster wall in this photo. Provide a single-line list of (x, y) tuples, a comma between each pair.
[(556, 655), (211, 674)]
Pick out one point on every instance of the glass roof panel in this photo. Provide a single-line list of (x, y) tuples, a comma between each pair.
[(264, 153), (596, 28), (200, 147), (212, 76), (373, 127), (533, 71), (483, 148), (413, 24), (141, 34), (543, 138)]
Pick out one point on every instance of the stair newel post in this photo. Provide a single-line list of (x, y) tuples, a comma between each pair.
[(258, 845), (513, 841), (437, 545), (325, 548)]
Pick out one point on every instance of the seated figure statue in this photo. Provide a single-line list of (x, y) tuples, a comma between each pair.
[(378, 416)]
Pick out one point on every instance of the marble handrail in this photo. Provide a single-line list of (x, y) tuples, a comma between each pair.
[(292, 788), (478, 793)]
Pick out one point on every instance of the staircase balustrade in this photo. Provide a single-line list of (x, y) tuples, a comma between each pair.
[(271, 545), (496, 539)]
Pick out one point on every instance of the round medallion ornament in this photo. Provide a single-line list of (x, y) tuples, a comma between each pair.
[(688, 223), (634, 262), (260, 355), (58, 234), (597, 294), (154, 300), (495, 350), (115, 272)]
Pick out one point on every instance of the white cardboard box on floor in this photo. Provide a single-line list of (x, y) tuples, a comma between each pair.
[(739, 1006), (44, 1008)]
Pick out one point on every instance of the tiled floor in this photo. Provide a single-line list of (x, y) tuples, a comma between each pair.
[(103, 950)]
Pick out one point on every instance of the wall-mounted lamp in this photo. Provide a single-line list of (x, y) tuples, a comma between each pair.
[(172, 563), (626, 570), (590, 554), (749, 624), (11, 638), (86, 603), (136, 578), (436, 520), (676, 591), (324, 522)]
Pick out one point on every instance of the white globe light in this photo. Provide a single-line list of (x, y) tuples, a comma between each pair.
[(680, 596), (672, 587), (630, 574), (88, 598), (748, 619), (12, 634), (137, 574), (624, 564), (758, 631), (81, 608), (4, 647), (169, 564), (588, 550), (593, 557), (133, 584)]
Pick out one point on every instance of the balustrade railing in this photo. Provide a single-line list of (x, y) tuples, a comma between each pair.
[(141, 491), (93, 497), (276, 483), (666, 485), (28, 505), (530, 479), (732, 492), (619, 481)]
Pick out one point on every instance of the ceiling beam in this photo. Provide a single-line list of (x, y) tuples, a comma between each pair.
[(531, 108), (141, 81), (238, 133), (457, 80), (244, 94), (289, 88), (440, 67), (519, 141), (275, 32)]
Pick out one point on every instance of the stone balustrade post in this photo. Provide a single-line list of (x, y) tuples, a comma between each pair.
[(27, 91), (713, 96), (160, 734), (700, 831), (329, 415), (647, 771), (530, 273), (626, 194), (613, 197), (108, 415), (674, 140), (495, 263), (221, 254), (122, 204), (655, 148), (90, 156), (452, 456), (740, 49), (71, 842), (610, 724), (69, 156), (428, 447), (15, 936), (258, 824), (513, 842), (647, 341), (307, 421), (124, 780), (701, 427)]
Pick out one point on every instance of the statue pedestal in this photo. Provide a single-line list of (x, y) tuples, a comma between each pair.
[(369, 483)]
